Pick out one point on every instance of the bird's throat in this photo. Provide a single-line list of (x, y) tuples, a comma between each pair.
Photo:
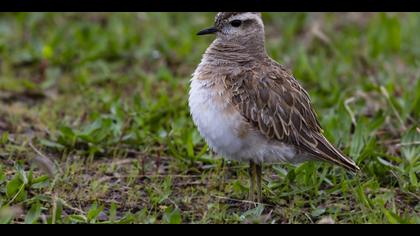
[(235, 51)]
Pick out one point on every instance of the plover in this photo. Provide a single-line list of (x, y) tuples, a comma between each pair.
[(250, 108)]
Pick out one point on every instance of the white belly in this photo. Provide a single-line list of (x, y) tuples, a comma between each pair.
[(220, 128), (213, 123)]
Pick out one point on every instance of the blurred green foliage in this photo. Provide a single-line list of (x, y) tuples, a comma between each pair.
[(104, 96)]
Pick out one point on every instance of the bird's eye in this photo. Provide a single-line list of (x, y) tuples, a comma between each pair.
[(236, 23)]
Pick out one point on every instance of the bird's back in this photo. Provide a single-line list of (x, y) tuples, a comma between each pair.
[(274, 102)]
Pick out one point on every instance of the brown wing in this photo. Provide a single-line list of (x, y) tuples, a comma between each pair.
[(280, 108)]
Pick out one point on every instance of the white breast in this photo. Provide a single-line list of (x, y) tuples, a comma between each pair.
[(211, 119), (220, 128)]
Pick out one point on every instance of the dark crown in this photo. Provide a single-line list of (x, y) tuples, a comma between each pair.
[(224, 16)]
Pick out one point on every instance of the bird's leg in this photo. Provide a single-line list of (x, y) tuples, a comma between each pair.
[(258, 168), (222, 176), (252, 172)]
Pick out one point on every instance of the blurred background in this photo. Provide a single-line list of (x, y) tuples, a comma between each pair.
[(91, 101)]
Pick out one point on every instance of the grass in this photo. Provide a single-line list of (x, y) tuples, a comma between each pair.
[(95, 127)]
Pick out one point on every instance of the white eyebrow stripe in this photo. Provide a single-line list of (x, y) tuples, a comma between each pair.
[(246, 16)]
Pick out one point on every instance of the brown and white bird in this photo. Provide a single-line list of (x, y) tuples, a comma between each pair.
[(250, 108)]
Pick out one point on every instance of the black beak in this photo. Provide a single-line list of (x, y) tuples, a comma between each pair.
[(211, 30)]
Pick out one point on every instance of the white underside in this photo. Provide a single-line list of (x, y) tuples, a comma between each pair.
[(219, 128)]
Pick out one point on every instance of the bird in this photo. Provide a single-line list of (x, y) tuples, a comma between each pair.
[(250, 108)]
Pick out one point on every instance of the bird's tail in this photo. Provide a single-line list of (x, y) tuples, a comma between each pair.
[(326, 151)]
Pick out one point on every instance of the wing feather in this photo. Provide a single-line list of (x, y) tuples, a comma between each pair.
[(276, 105)]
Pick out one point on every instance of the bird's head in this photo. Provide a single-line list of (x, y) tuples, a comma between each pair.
[(240, 27)]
